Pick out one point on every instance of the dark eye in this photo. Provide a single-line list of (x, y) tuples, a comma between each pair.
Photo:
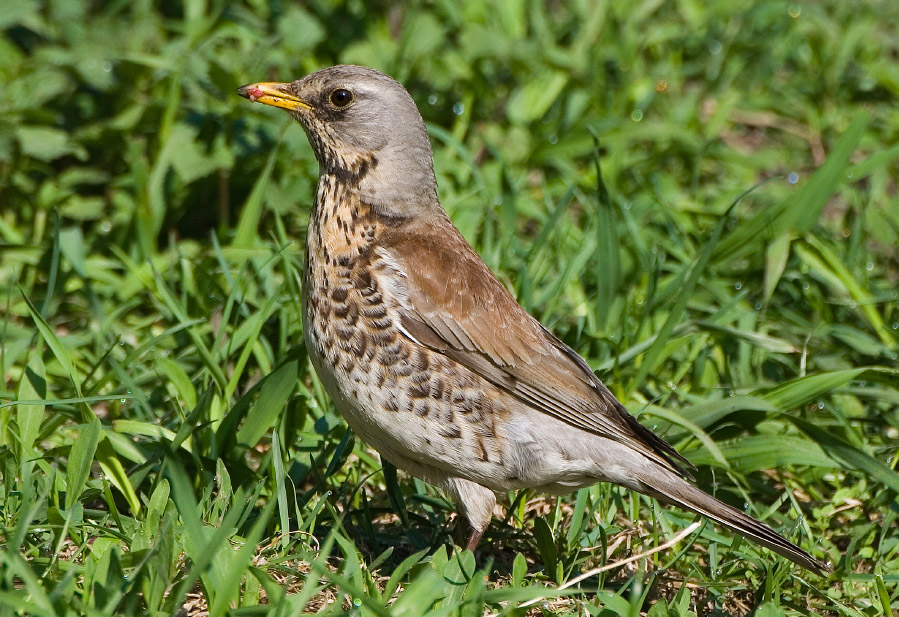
[(341, 97)]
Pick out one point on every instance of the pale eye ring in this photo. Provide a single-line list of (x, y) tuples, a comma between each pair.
[(341, 97)]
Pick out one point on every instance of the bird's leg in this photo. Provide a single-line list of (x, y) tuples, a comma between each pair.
[(476, 503), (473, 539)]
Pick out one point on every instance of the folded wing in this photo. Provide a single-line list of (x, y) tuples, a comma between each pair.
[(462, 311)]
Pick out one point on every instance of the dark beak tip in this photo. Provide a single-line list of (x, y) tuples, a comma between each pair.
[(242, 91)]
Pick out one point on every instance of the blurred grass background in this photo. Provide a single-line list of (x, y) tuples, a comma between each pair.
[(731, 274)]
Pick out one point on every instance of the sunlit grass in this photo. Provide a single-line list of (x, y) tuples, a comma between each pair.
[(699, 198)]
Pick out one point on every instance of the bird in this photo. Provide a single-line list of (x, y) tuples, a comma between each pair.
[(426, 354)]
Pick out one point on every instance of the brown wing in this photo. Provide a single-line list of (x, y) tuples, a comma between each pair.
[(457, 307)]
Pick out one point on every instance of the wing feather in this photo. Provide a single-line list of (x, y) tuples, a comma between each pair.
[(457, 307)]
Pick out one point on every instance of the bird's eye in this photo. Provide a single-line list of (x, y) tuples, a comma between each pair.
[(341, 97)]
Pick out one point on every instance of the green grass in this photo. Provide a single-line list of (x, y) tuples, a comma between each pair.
[(731, 274)]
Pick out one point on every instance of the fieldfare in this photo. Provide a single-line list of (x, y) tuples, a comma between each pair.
[(428, 357)]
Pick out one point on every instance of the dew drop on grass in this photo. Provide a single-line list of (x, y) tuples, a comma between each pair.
[(869, 266), (820, 405), (672, 385), (714, 47), (757, 306), (357, 602), (107, 67), (636, 115), (896, 325), (805, 285), (553, 139), (459, 108), (432, 99), (793, 178), (738, 286), (794, 11)]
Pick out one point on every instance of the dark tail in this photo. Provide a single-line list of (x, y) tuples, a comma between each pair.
[(669, 488)]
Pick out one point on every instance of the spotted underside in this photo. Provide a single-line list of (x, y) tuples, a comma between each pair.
[(411, 404)]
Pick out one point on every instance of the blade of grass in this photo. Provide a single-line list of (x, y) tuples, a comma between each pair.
[(281, 490), (33, 386), (800, 212), (608, 263), (683, 297), (59, 350), (849, 454), (251, 213), (804, 389), (236, 569), (760, 452), (80, 458), (271, 402), (254, 324), (828, 263)]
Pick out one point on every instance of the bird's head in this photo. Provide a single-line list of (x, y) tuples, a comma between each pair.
[(366, 132)]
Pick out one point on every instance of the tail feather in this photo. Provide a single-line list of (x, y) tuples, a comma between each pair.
[(672, 489)]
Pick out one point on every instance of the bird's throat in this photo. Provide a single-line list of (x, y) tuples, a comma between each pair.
[(343, 226)]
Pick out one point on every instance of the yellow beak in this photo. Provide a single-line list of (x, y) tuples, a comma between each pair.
[(273, 93)]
